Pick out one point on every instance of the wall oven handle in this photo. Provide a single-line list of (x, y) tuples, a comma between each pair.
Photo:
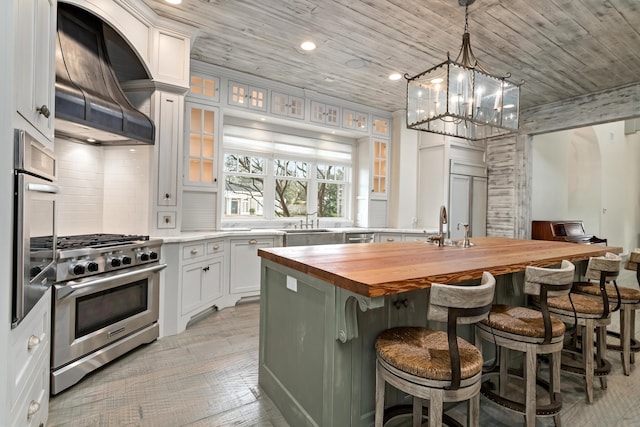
[(42, 188), (66, 290)]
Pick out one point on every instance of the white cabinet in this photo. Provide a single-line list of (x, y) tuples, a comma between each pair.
[(201, 145), (401, 237), (245, 96), (287, 105), (355, 120), (204, 87), (379, 170), (29, 366), (372, 182), (381, 126), (244, 274), (193, 282), (170, 107), (389, 237), (35, 26), (325, 113)]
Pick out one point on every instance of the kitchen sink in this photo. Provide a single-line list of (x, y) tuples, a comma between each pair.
[(312, 236)]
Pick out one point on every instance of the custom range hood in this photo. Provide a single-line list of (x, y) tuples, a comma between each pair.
[(90, 104)]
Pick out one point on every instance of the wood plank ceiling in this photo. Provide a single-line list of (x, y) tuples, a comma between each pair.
[(561, 48)]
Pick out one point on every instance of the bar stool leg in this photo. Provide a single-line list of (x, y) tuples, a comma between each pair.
[(587, 355), (632, 334), (417, 412), (554, 381), (380, 386), (601, 348), (504, 371), (530, 391), (435, 410), (625, 338), (473, 411)]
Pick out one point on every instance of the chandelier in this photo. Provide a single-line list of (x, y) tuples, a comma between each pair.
[(460, 98)]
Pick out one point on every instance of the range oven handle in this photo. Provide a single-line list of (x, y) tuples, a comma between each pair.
[(42, 188), (66, 290)]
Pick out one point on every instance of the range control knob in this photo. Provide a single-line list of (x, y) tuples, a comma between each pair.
[(77, 269), (144, 256), (115, 262), (126, 260), (92, 267), (153, 255)]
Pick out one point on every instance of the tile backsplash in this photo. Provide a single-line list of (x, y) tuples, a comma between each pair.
[(103, 189)]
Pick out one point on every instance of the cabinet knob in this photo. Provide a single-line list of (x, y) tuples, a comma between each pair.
[(253, 242), (194, 251), (34, 407), (216, 247), (167, 196), (44, 110), (33, 342)]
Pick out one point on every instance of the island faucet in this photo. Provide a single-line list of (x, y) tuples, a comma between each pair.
[(465, 240), (443, 220)]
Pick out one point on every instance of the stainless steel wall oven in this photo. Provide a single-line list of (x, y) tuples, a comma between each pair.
[(34, 224), (105, 302)]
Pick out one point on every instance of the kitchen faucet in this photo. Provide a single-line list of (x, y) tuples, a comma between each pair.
[(465, 240), (307, 222), (442, 220)]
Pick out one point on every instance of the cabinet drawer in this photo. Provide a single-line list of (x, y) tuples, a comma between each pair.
[(32, 406), (415, 237), (192, 252), (29, 343), (215, 247), (388, 237)]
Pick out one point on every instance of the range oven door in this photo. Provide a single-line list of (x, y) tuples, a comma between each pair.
[(94, 312)]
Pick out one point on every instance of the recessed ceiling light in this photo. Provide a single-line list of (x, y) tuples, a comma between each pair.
[(395, 76), (173, 1), (308, 45)]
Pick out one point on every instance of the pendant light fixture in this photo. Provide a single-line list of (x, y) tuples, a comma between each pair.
[(460, 98)]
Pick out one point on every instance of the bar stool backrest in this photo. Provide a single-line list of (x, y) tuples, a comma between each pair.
[(559, 280), (633, 260), (609, 264), (444, 297)]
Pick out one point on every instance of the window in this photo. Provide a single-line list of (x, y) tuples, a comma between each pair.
[(243, 186), (273, 176)]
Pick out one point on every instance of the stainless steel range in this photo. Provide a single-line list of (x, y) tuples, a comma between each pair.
[(105, 302)]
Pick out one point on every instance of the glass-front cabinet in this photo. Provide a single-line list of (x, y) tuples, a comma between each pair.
[(242, 95), (201, 145), (379, 172), (325, 113)]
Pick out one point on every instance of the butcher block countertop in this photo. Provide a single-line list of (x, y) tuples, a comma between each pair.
[(378, 269)]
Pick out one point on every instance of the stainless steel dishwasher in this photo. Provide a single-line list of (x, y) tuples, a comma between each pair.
[(359, 237)]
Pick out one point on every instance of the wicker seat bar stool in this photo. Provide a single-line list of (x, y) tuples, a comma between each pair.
[(628, 301), (435, 366), (532, 332), (592, 316)]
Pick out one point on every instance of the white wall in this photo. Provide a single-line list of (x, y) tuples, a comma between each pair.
[(589, 174), (102, 189)]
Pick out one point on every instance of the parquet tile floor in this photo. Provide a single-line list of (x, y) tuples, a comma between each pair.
[(208, 376)]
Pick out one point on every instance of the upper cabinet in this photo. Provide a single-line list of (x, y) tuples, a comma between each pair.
[(325, 113), (246, 96), (206, 88), (355, 120), (35, 26), (381, 126), (201, 145), (379, 168), (287, 105)]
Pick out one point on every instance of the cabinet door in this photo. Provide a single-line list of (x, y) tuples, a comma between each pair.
[(459, 204), (478, 207), (191, 292), (287, 105), (245, 265), (381, 126), (379, 171), (212, 280), (201, 145), (332, 115), (169, 129), (318, 112), (257, 99), (204, 87), (238, 94), (35, 63)]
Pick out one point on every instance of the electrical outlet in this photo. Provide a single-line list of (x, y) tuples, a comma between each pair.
[(292, 284)]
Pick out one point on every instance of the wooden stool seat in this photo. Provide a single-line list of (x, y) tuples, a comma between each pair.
[(585, 306), (425, 353), (627, 295), (521, 321)]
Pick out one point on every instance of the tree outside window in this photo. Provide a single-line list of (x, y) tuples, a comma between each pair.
[(243, 185)]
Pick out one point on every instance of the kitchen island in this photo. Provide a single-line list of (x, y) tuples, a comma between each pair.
[(323, 306)]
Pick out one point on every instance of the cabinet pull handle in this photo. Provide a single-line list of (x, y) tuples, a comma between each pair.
[(253, 242), (194, 251), (205, 269), (44, 110), (216, 247), (34, 407), (389, 239), (33, 342)]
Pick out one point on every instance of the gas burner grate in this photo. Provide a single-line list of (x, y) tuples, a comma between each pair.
[(97, 240)]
